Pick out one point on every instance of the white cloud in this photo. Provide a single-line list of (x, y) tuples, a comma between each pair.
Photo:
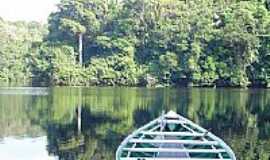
[(28, 10)]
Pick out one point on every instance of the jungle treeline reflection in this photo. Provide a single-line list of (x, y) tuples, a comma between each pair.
[(240, 117)]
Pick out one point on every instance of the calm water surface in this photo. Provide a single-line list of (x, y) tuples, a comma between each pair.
[(42, 123)]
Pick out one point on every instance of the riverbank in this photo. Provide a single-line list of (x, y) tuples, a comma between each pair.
[(143, 83)]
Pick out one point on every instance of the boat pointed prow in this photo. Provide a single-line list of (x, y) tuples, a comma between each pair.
[(172, 114)]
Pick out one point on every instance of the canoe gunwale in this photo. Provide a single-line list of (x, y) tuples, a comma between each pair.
[(119, 150)]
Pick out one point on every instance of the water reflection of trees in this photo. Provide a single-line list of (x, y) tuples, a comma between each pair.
[(13, 118), (66, 142), (241, 117)]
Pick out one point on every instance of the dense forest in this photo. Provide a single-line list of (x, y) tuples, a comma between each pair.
[(141, 43)]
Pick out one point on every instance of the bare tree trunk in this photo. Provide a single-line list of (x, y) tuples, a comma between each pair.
[(81, 48)]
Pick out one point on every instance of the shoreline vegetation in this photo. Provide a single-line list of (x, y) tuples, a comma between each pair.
[(154, 43)]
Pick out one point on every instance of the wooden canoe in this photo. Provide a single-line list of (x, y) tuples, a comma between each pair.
[(173, 137)]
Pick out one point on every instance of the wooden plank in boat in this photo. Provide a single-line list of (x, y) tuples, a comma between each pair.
[(197, 142), (173, 150), (174, 133)]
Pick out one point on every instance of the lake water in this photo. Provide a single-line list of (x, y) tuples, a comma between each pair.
[(42, 123)]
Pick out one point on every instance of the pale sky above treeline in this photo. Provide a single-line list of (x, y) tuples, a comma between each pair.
[(27, 10)]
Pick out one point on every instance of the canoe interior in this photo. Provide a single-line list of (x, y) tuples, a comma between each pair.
[(172, 137)]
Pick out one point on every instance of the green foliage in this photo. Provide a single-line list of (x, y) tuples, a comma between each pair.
[(73, 26), (16, 40), (116, 65), (58, 64), (139, 42), (165, 68), (208, 67)]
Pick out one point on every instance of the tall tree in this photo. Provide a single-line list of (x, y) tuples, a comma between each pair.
[(78, 30)]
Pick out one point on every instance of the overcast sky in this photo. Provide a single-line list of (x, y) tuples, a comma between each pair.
[(28, 10)]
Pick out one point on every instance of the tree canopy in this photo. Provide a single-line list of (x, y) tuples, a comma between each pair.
[(145, 42)]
